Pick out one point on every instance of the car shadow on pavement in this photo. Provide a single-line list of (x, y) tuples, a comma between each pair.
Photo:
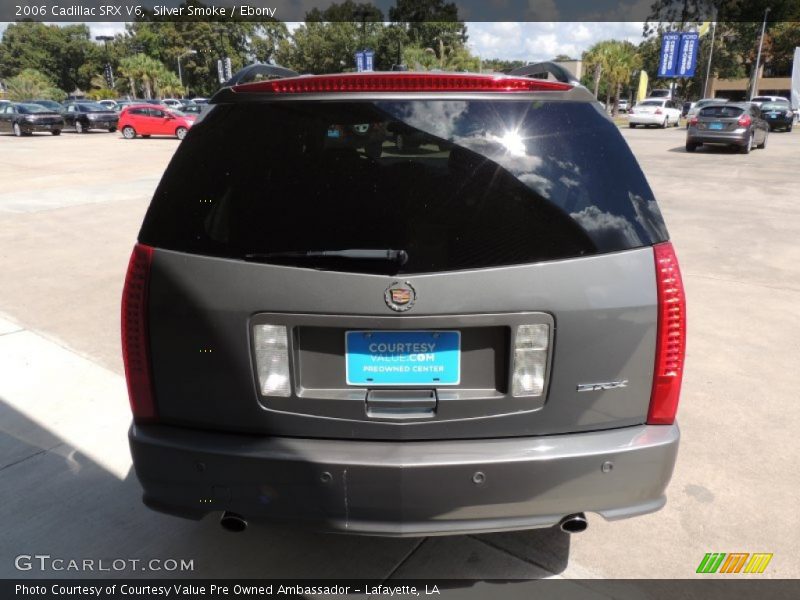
[(62, 503), (707, 149)]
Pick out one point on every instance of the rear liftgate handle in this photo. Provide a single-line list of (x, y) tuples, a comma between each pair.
[(401, 404)]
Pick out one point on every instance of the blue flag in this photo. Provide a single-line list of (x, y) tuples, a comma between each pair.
[(687, 57), (668, 58)]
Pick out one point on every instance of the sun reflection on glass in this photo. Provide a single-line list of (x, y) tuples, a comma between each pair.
[(512, 140)]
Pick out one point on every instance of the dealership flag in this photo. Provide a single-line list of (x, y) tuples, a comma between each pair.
[(668, 58), (641, 93), (796, 79), (687, 57)]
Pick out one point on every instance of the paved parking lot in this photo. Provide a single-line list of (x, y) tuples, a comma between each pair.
[(70, 208)]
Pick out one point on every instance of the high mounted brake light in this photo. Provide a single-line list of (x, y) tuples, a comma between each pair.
[(135, 338), (671, 337), (401, 82)]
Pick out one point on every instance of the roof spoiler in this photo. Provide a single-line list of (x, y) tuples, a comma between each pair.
[(542, 69), (250, 72)]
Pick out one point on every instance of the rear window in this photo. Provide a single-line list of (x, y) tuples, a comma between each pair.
[(455, 184), (721, 111), (652, 103), (767, 106)]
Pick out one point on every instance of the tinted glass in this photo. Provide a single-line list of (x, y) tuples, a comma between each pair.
[(723, 111), (651, 103), (456, 184), (92, 107), (29, 109), (779, 106)]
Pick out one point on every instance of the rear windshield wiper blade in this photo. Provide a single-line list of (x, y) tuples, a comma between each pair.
[(389, 255)]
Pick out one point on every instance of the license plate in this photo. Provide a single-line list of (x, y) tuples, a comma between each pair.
[(773, 115), (333, 133), (715, 125), (383, 358)]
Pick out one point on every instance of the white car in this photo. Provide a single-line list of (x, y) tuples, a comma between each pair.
[(623, 106), (109, 104), (759, 100), (654, 111), (172, 103)]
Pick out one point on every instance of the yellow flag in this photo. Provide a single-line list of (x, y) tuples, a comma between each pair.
[(641, 93), (704, 27)]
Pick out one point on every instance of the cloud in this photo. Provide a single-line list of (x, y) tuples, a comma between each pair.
[(536, 41)]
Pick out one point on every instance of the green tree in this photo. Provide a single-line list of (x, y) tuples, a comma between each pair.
[(623, 62), (430, 24), (143, 74), (31, 84), (66, 54)]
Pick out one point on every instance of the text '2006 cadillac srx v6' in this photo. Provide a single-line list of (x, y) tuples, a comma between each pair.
[(404, 304)]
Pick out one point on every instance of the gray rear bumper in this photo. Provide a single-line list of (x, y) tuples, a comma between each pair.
[(405, 488), (696, 136)]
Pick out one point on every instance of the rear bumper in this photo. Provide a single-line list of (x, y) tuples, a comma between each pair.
[(405, 488), (780, 122), (739, 138), (40, 127), (645, 119)]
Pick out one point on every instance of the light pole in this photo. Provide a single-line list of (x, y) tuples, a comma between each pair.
[(180, 56), (109, 73), (758, 56)]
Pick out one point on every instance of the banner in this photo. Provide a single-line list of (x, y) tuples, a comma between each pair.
[(641, 93), (687, 57), (796, 79), (668, 58)]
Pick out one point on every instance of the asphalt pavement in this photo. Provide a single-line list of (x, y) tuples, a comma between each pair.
[(70, 208)]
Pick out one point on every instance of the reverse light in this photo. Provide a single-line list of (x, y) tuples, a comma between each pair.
[(531, 345), (670, 339), (401, 82), (272, 360), (135, 337), (744, 120)]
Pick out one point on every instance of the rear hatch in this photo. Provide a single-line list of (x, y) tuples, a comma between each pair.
[(723, 118), (311, 278)]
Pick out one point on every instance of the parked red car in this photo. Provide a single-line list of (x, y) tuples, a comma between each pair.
[(148, 119)]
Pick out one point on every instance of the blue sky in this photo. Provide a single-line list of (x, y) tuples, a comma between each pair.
[(510, 40)]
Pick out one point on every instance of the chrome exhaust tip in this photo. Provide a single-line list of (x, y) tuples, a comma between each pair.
[(232, 522), (574, 523)]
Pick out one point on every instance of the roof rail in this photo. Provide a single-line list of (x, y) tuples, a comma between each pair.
[(250, 72), (540, 71)]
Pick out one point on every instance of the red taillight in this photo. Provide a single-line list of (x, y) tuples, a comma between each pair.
[(693, 121), (671, 337), (658, 111), (135, 338), (744, 120), (401, 82)]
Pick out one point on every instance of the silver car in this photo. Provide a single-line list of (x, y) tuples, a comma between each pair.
[(737, 124), (483, 332)]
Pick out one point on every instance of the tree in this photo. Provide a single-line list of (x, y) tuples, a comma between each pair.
[(146, 74), (32, 84), (65, 54), (623, 62), (165, 39)]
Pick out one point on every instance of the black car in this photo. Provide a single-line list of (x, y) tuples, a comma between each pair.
[(23, 119), (83, 116), (49, 104), (193, 109), (732, 124), (778, 115)]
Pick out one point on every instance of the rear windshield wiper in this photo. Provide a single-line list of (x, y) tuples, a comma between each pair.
[(389, 255)]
